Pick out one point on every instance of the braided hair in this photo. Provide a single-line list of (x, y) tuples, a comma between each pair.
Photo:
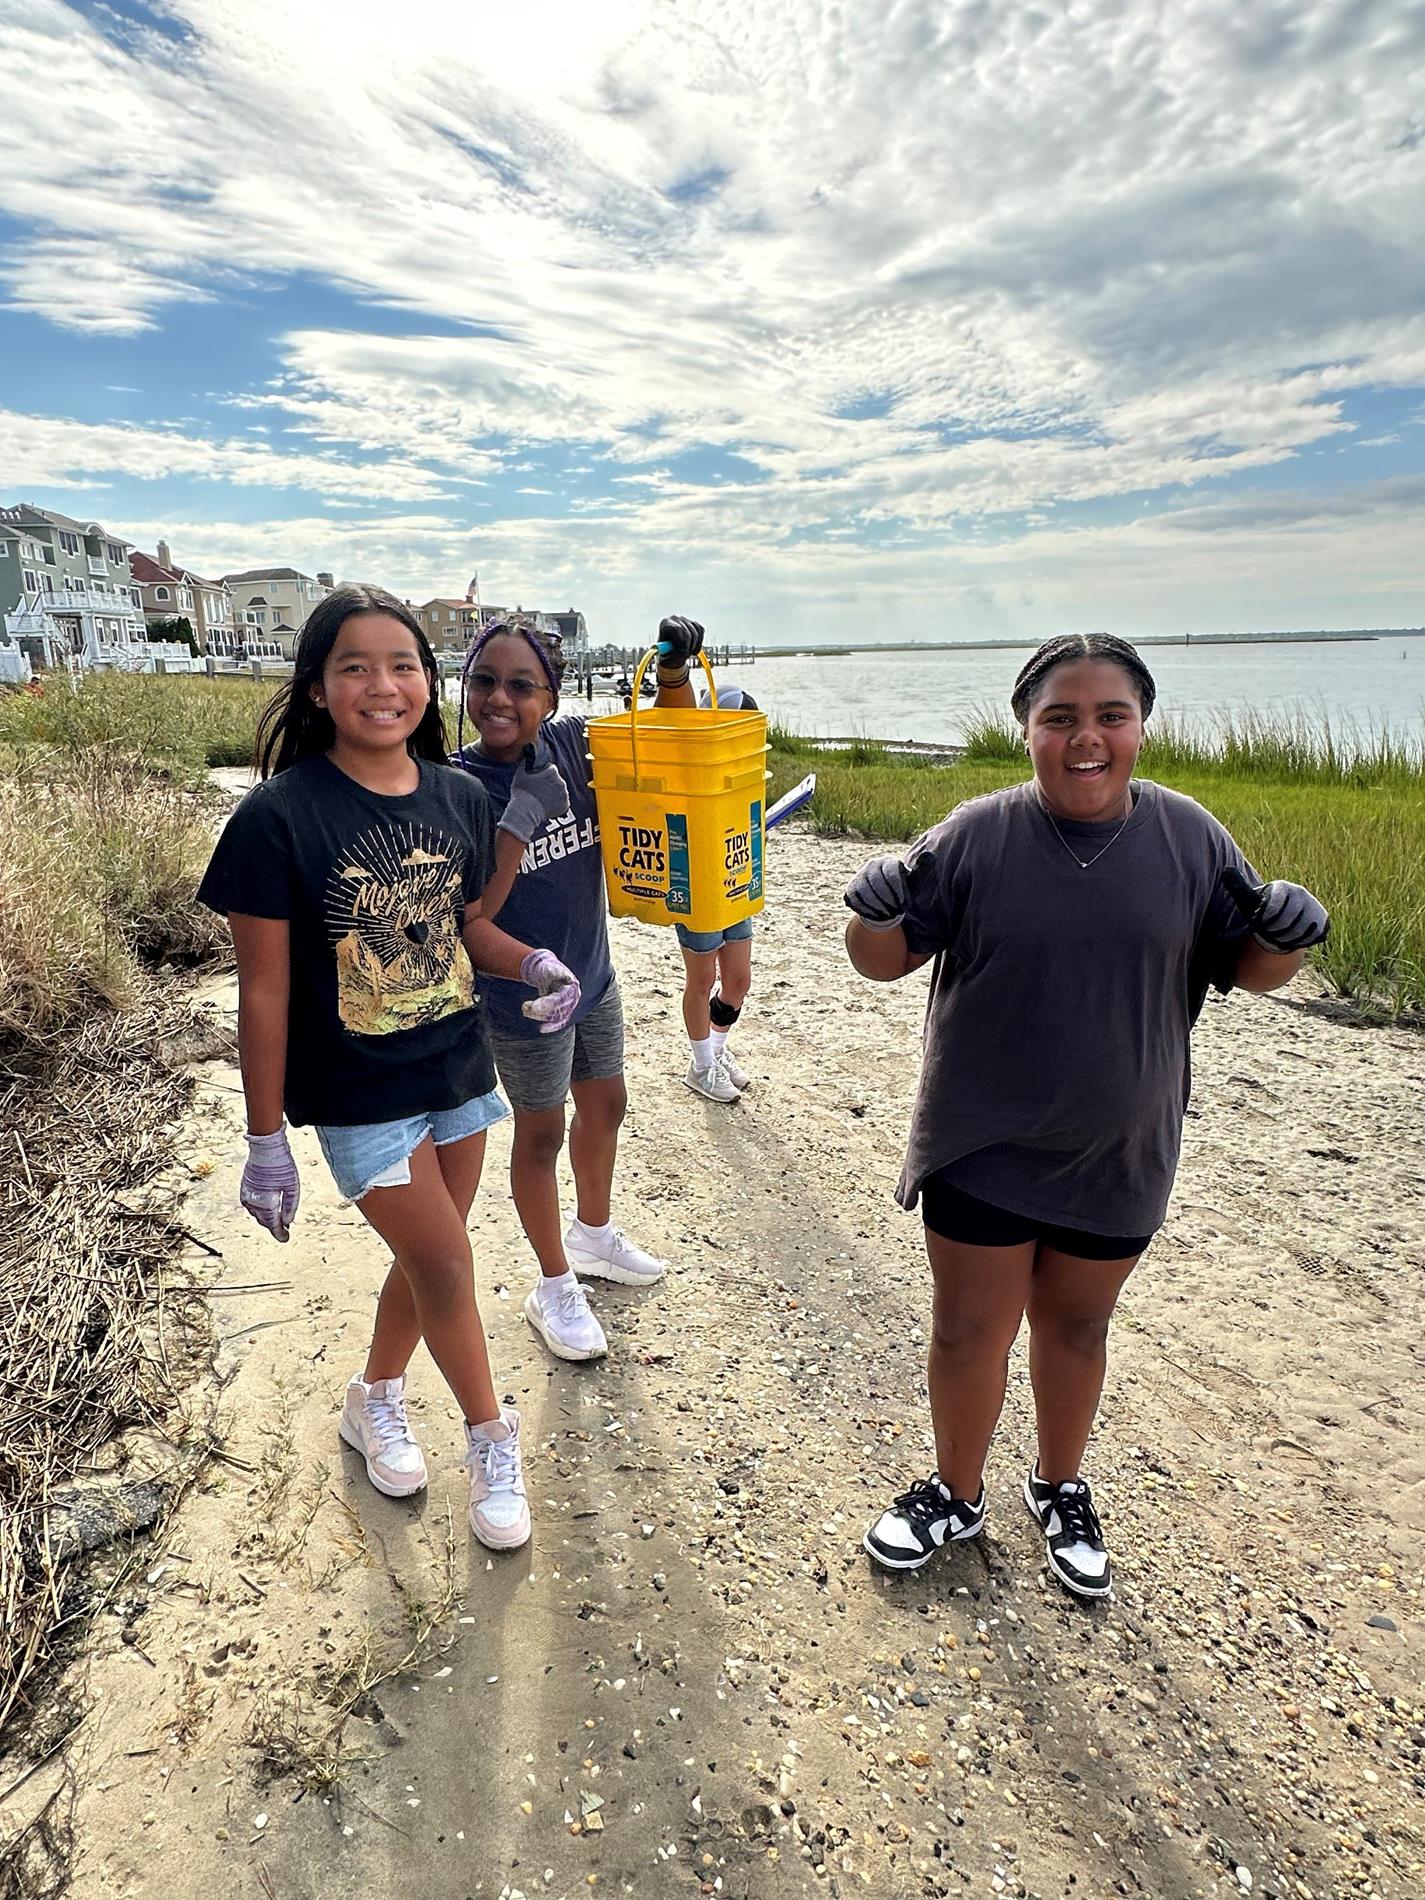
[(1079, 646)]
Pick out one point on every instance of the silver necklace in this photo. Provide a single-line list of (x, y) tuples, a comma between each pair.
[(1085, 863)]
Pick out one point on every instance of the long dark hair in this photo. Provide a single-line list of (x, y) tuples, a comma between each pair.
[(294, 727), (1079, 646), (547, 651)]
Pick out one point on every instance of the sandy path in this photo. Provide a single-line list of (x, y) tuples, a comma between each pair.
[(695, 1636)]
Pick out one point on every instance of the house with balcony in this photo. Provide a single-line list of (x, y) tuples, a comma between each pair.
[(270, 607), (169, 592), (68, 597)]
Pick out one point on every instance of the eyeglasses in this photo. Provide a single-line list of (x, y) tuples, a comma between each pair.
[(484, 682)]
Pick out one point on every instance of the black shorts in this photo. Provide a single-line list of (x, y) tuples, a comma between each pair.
[(960, 1217)]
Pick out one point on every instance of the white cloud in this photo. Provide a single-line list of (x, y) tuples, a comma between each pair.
[(1048, 256), (54, 451)]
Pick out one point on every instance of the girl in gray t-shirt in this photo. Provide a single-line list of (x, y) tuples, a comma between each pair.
[(1076, 922)]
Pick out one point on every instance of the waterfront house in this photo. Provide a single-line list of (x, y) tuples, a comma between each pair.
[(169, 592), (67, 595), (270, 607)]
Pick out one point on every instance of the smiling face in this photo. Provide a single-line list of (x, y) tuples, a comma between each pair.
[(1084, 730), (507, 696), (374, 683)]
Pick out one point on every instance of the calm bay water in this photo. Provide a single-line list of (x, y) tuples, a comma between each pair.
[(929, 696)]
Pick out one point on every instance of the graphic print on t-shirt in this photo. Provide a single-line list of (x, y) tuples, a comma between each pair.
[(394, 906)]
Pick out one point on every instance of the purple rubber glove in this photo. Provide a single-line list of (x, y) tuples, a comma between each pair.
[(558, 991), (537, 795), (271, 1187)]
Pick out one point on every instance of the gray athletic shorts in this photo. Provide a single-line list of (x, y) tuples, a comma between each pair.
[(535, 1071)]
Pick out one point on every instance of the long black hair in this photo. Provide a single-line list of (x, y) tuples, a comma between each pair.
[(1080, 646), (294, 727), (548, 651)]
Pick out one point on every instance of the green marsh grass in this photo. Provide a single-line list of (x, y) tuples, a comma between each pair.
[(1336, 810), (180, 723)]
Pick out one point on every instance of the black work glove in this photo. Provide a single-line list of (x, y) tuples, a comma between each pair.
[(537, 794), (678, 641), (1282, 917), (879, 894)]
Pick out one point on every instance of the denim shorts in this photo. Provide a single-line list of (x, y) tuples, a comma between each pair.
[(378, 1154), (535, 1071), (702, 941)]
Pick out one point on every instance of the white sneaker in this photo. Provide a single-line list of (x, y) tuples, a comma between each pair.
[(564, 1321), (739, 1078), (499, 1509), (713, 1083), (611, 1257), (373, 1422)]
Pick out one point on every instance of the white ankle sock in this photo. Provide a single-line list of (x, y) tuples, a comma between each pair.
[(591, 1232), (718, 1039), (551, 1285), (702, 1052)]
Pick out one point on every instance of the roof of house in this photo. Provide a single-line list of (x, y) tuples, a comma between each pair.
[(146, 570), (269, 574), (24, 514)]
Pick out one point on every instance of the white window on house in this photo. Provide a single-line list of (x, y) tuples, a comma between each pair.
[(4, 550), (115, 554), (160, 593), (69, 542), (185, 597), (30, 582), (136, 597)]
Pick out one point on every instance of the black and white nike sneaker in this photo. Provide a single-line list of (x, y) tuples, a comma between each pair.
[(1073, 1536), (920, 1521)]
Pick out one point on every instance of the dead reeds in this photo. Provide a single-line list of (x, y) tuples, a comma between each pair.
[(92, 1338)]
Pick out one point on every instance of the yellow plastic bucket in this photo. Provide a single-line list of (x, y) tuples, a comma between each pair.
[(681, 793)]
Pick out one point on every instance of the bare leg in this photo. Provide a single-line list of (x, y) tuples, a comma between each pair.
[(734, 971), (397, 1331), (599, 1108), (701, 973), (425, 1231), (1070, 1304), (539, 1135), (979, 1301)]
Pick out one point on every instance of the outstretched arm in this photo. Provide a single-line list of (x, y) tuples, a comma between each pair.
[(679, 641), (556, 988)]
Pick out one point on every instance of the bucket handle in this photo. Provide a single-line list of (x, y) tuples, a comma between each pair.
[(633, 708)]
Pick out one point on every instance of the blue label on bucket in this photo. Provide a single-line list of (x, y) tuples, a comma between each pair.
[(680, 882), (754, 883)]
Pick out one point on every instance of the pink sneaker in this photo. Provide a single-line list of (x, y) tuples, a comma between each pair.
[(373, 1422), (499, 1509)]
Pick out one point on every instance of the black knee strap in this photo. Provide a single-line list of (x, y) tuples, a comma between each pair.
[(723, 1014)]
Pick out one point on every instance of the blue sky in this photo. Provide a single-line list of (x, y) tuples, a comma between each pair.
[(943, 321)]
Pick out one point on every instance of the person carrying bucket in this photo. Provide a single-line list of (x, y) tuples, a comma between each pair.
[(1077, 922), (535, 772), (717, 974)]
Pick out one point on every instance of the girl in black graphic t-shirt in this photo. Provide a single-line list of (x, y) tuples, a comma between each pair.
[(351, 878)]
